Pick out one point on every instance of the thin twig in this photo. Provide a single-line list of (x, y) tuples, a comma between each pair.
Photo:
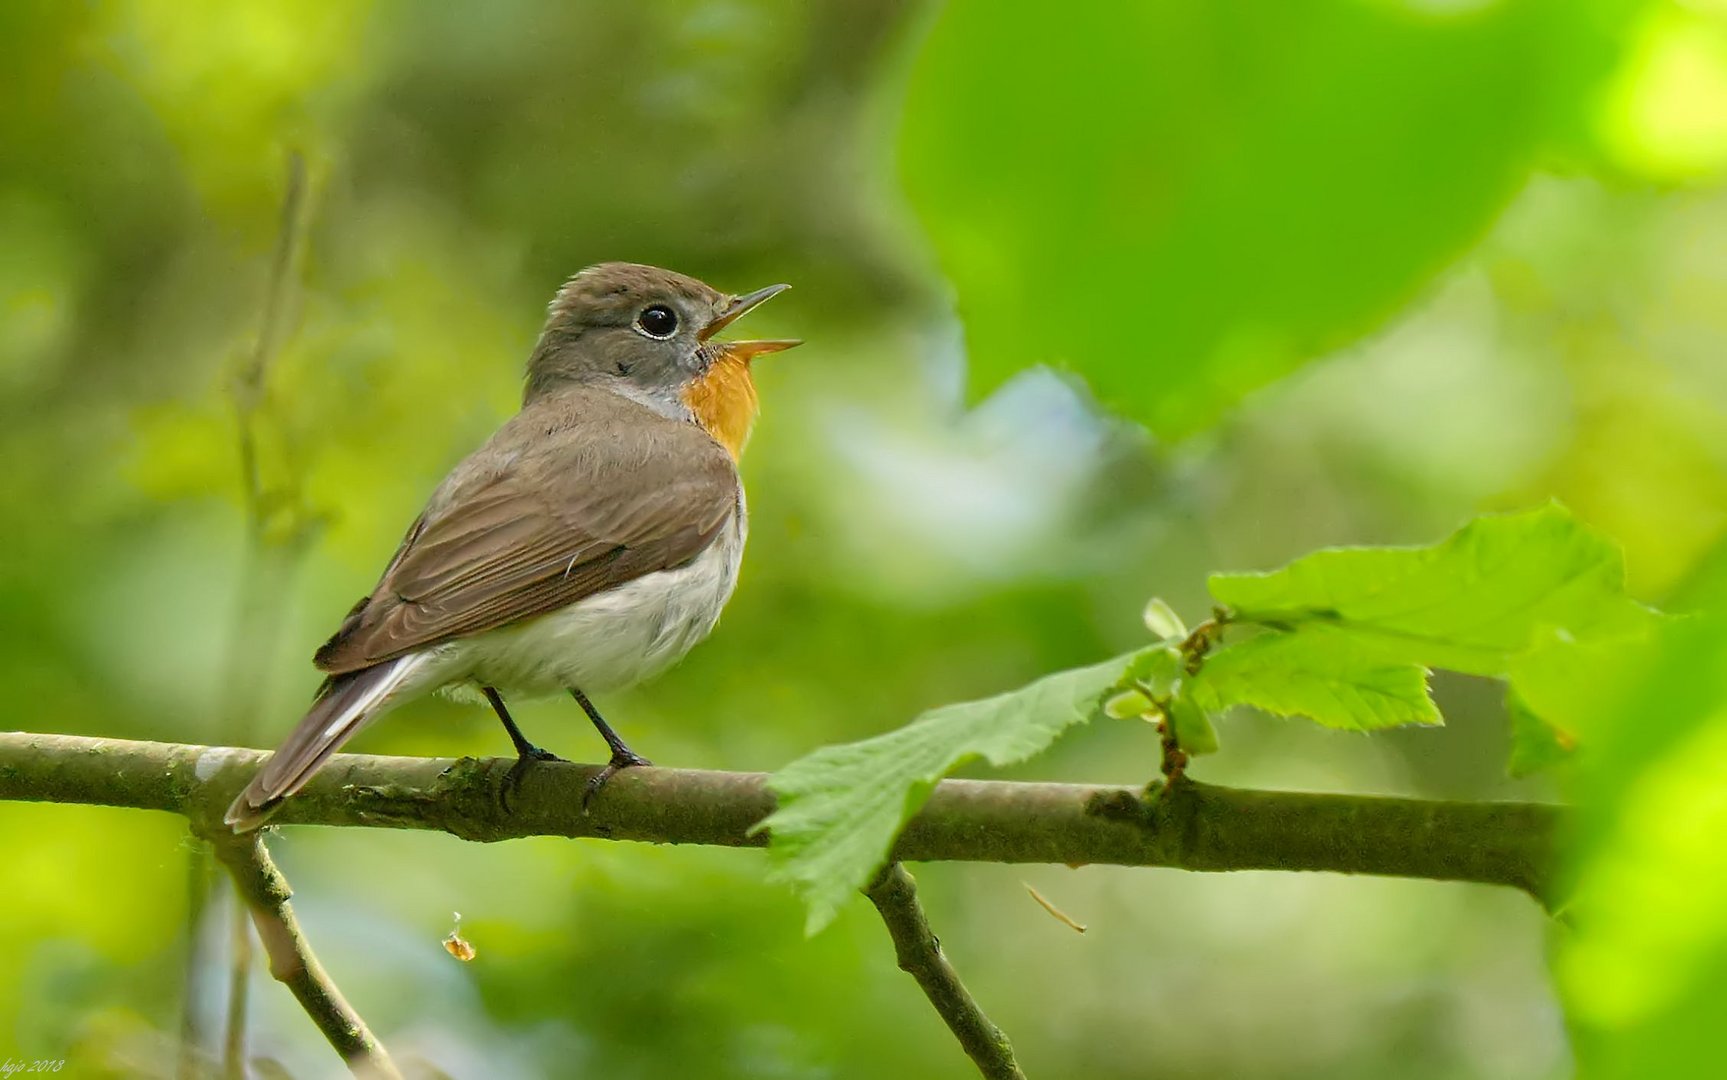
[(894, 894), (266, 894), (1055, 913), (251, 382), (266, 568), (239, 991), (270, 557), (200, 883)]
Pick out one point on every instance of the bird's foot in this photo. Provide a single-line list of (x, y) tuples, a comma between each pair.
[(527, 757), (622, 758)]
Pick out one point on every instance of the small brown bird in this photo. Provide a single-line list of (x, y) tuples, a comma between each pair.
[(587, 546)]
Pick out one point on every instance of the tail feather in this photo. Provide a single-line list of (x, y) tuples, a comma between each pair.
[(342, 708)]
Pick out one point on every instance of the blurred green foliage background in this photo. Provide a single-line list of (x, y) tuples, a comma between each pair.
[(1320, 271)]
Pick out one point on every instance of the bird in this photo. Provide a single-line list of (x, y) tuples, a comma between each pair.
[(588, 545)]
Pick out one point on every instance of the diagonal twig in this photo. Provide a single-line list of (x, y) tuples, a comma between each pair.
[(894, 894), (266, 893)]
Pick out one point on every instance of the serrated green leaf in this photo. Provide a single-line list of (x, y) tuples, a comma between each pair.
[(1468, 603), (841, 807), (1317, 672)]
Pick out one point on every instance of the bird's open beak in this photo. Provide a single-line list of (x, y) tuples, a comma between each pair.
[(739, 306), (749, 350)]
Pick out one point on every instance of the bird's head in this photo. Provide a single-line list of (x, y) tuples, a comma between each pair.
[(648, 334)]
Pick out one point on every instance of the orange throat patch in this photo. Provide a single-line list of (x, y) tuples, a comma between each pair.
[(724, 401)]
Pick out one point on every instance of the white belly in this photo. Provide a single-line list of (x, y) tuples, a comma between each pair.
[(608, 641)]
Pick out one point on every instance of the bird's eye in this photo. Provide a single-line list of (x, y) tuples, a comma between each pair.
[(658, 321)]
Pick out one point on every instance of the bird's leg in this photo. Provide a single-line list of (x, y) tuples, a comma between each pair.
[(622, 756), (526, 752)]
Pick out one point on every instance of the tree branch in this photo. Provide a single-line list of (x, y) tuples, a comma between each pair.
[(1194, 827), (894, 894), (292, 963)]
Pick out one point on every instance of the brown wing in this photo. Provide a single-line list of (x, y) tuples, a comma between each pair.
[(553, 510)]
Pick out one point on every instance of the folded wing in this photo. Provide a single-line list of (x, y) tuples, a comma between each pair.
[(543, 532)]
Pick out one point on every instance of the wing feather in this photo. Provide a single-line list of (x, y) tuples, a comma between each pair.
[(529, 525)]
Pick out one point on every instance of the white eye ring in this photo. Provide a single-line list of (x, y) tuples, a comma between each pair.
[(658, 322)]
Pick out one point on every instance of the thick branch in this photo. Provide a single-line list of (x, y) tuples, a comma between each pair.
[(266, 895), (894, 894), (1196, 827)]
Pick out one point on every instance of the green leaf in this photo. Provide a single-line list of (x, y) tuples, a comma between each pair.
[(1556, 686), (1194, 732), (1553, 687), (1535, 743), (1267, 180), (1468, 603), (1561, 679), (1158, 669), (1643, 970), (1162, 620), (841, 807), (1127, 705), (1319, 673)]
